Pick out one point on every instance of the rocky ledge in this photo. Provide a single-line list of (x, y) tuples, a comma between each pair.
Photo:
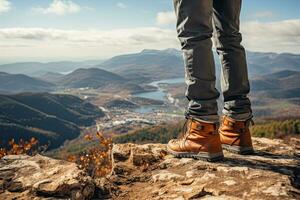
[(148, 172)]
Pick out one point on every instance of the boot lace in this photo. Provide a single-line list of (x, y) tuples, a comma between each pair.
[(184, 131)]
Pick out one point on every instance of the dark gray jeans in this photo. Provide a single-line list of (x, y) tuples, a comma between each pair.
[(197, 20)]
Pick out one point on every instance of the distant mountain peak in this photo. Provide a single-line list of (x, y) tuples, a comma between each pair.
[(90, 77), (155, 51), (12, 83), (172, 51), (150, 51)]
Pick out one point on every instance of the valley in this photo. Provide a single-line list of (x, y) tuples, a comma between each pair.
[(126, 111), (50, 118), (126, 93)]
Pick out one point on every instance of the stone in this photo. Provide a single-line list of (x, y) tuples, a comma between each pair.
[(229, 182), (191, 173), (147, 154), (138, 154), (121, 152), (187, 182), (276, 190), (146, 172), (233, 169), (103, 188), (165, 176), (237, 177), (44, 176), (143, 159)]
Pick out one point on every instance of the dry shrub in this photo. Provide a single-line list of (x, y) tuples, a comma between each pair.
[(96, 161), (22, 147)]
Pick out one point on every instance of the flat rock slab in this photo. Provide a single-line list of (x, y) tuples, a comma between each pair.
[(273, 172), (25, 177), (148, 172)]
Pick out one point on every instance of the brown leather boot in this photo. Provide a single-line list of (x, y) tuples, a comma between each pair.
[(235, 136), (200, 140)]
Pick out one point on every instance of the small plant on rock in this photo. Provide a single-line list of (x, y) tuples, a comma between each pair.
[(29, 147), (96, 161)]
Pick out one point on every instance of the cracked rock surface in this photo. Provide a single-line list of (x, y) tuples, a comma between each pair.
[(148, 172), (40, 177)]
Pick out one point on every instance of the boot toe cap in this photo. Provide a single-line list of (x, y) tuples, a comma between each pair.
[(173, 145)]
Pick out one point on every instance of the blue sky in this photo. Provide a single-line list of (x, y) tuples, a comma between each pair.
[(89, 29), (106, 14)]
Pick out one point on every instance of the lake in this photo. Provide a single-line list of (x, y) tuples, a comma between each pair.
[(159, 94)]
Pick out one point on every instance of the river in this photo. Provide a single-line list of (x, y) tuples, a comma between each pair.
[(159, 94)]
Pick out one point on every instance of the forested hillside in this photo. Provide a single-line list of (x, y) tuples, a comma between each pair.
[(51, 118), (164, 132)]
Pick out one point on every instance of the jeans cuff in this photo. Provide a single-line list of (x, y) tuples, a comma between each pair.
[(213, 119), (240, 117)]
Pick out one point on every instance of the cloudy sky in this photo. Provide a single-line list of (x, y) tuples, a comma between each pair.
[(47, 30)]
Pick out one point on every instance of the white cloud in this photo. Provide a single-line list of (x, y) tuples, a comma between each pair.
[(121, 5), (263, 14), (117, 36), (165, 18), (60, 7), (5, 6), (82, 43), (279, 36)]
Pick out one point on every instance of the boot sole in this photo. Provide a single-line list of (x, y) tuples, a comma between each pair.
[(238, 149), (210, 157)]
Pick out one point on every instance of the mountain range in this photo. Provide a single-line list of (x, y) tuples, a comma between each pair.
[(56, 118), (14, 83), (148, 65), (282, 84), (266, 63), (134, 69), (285, 79), (51, 118), (80, 78), (92, 77), (153, 65), (39, 68)]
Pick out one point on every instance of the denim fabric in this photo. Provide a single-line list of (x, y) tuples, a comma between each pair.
[(198, 21)]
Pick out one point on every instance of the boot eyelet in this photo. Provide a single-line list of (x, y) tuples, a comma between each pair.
[(200, 127)]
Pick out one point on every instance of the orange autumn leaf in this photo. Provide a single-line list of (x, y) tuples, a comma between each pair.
[(95, 161), (88, 137), (23, 147)]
